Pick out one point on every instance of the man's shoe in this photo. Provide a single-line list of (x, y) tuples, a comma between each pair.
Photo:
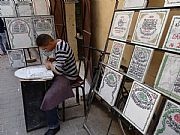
[(52, 131)]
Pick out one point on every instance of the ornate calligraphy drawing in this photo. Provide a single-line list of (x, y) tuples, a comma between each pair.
[(172, 41), (134, 4), (20, 32), (169, 123), (143, 100), (44, 25), (41, 7), (167, 80), (16, 58), (171, 3), (7, 8), (149, 27), (121, 24), (139, 63), (24, 7), (110, 85), (116, 55)]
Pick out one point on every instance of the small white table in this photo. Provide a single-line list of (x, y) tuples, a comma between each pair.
[(35, 81)]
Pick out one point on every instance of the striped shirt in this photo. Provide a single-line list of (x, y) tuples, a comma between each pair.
[(65, 60)]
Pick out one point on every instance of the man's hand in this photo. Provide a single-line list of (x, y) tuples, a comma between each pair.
[(48, 64)]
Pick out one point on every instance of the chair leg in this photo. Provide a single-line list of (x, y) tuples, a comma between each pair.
[(77, 95), (84, 100), (63, 111)]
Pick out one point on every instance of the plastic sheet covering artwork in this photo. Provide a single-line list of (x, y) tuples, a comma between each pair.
[(41, 7), (149, 27), (172, 41), (44, 25), (143, 101), (121, 24), (20, 32), (16, 58), (171, 3), (169, 123), (110, 85), (7, 8), (134, 4), (139, 63), (168, 77), (116, 55), (24, 7)]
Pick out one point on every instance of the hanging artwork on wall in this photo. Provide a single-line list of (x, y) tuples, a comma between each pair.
[(44, 25), (16, 58), (116, 55), (7, 8), (20, 32), (24, 7), (41, 7), (168, 77), (169, 122), (110, 85), (143, 101), (139, 63), (172, 41), (134, 4), (149, 27), (171, 3), (121, 24)]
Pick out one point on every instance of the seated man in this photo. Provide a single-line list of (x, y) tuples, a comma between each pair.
[(65, 70)]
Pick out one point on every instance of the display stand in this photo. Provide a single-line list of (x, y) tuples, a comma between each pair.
[(123, 97)]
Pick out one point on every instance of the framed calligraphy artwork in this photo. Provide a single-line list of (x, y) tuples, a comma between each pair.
[(121, 24), (116, 55), (139, 63), (16, 58), (134, 4), (24, 7), (171, 3), (168, 77), (44, 25), (143, 101), (20, 32), (149, 27), (169, 122), (41, 7), (172, 41), (110, 85), (7, 8)]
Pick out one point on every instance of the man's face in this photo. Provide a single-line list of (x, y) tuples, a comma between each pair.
[(48, 48)]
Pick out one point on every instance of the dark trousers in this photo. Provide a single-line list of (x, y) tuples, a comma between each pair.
[(52, 118)]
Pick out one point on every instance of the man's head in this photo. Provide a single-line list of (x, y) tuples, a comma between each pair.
[(45, 42)]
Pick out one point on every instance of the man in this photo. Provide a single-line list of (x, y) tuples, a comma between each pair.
[(65, 71), (2, 37)]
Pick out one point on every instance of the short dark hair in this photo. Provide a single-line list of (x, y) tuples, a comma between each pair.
[(43, 40)]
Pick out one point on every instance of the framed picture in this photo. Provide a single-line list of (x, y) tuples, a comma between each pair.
[(171, 3), (172, 41), (24, 8), (149, 27), (140, 106), (20, 32), (16, 58), (116, 55), (167, 79), (169, 120), (121, 24), (41, 7), (44, 25), (7, 8), (134, 4), (110, 85), (139, 63)]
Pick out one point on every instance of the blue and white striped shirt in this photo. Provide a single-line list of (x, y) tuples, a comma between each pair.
[(65, 60)]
